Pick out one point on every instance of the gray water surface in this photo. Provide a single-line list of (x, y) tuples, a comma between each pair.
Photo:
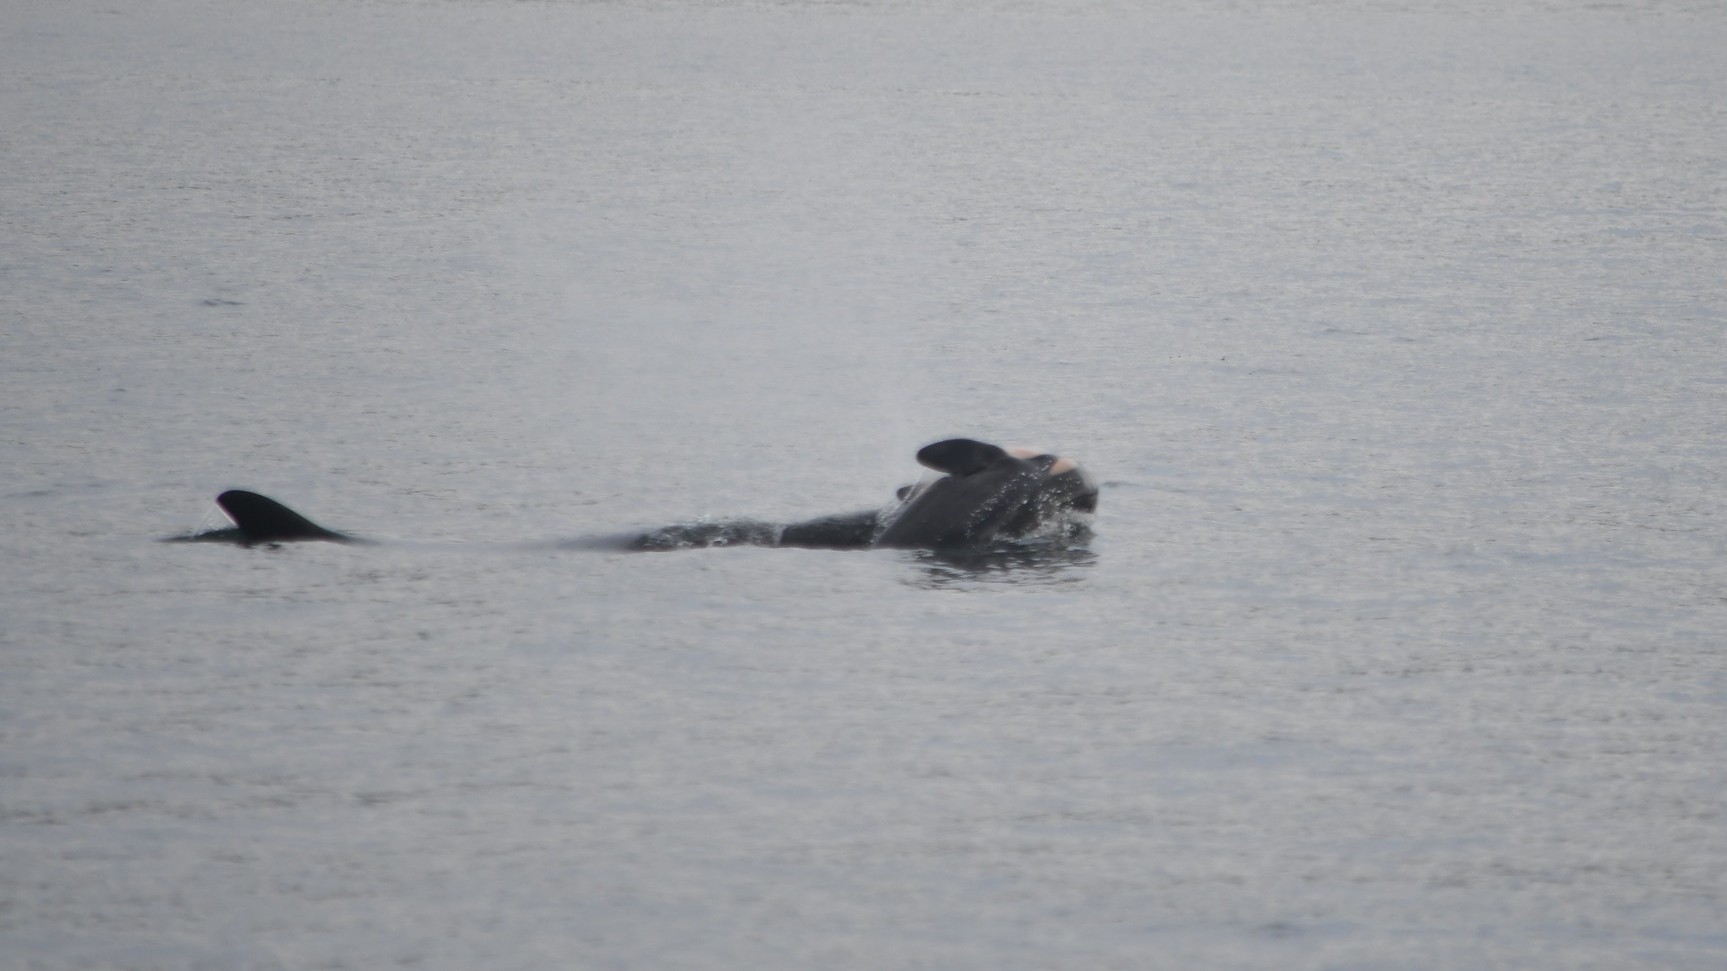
[(1393, 332)]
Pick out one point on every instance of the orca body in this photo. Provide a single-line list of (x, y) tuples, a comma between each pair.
[(986, 496)]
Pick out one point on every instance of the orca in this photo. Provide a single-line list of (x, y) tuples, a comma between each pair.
[(986, 495), (260, 519)]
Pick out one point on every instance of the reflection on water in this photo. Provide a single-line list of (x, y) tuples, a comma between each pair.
[(1024, 565)]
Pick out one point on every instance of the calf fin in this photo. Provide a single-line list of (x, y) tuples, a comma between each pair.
[(960, 456)]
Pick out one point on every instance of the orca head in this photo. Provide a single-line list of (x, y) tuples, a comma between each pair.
[(987, 493), (1066, 486)]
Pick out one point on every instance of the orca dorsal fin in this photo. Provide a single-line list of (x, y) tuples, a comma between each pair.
[(261, 519), (960, 456)]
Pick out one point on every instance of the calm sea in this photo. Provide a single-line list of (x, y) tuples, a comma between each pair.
[(1394, 331)]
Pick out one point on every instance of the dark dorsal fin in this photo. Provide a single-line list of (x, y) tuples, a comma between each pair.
[(960, 456), (261, 519)]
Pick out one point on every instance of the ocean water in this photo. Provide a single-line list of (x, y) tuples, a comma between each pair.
[(1394, 332)]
